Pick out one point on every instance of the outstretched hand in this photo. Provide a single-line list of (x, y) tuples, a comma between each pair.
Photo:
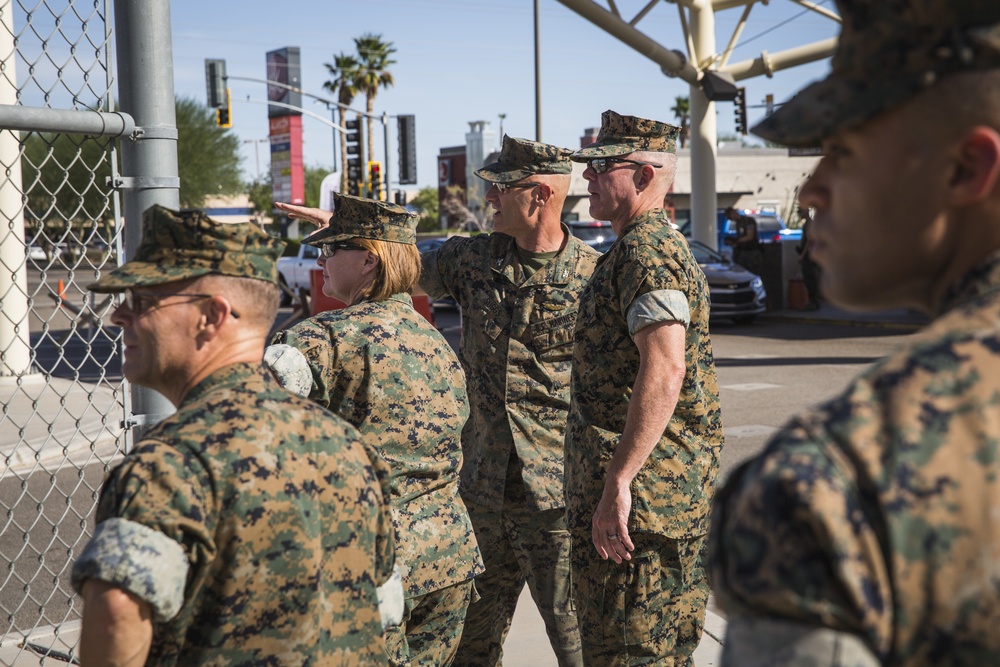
[(317, 216)]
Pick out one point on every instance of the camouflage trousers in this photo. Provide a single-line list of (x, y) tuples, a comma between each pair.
[(431, 628), (647, 611), (519, 546)]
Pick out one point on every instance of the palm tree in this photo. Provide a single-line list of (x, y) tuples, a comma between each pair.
[(374, 55), (343, 82), (682, 111)]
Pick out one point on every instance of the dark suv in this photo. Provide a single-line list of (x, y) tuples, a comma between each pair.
[(592, 232)]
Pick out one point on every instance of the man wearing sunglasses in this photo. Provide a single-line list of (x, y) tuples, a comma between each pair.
[(644, 432), (214, 544), (518, 289)]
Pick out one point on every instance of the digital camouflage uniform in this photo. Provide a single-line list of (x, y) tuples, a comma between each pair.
[(250, 519), (516, 346), (649, 610), (385, 369), (866, 533)]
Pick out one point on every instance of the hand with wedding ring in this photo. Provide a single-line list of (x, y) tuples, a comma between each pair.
[(610, 523)]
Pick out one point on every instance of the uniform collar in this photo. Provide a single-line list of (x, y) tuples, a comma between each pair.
[(559, 270), (983, 279)]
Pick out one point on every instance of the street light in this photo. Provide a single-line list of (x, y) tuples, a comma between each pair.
[(256, 152), (333, 116)]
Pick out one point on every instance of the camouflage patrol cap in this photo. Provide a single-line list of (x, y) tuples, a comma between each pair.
[(356, 217), (621, 135), (177, 245), (888, 51), (520, 158)]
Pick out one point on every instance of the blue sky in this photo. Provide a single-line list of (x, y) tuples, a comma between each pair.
[(466, 60)]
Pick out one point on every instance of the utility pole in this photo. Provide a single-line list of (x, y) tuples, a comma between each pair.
[(538, 81)]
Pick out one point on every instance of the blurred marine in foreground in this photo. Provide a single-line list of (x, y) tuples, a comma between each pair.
[(867, 532)]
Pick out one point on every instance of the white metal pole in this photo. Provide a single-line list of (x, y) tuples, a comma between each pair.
[(704, 133), (15, 342)]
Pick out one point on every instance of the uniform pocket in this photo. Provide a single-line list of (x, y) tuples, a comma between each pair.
[(552, 338)]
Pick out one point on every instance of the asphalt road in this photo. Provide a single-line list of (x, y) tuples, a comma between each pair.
[(767, 372)]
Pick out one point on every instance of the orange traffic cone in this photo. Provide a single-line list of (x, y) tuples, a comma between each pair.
[(62, 292)]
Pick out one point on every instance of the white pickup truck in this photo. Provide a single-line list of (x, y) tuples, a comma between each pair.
[(294, 271)]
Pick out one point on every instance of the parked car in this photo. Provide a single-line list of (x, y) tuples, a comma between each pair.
[(427, 245), (736, 293), (770, 228), (592, 232)]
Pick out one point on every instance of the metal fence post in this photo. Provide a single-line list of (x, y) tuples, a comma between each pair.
[(149, 162), (15, 352)]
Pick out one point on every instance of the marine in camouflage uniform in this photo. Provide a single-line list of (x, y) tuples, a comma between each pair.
[(248, 522), (518, 313), (645, 509), (381, 366), (867, 532)]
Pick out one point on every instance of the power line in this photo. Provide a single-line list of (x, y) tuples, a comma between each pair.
[(779, 25)]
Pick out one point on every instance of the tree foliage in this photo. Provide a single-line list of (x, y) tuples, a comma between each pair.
[(208, 156), (64, 178), (682, 112), (426, 203), (375, 58), (343, 82)]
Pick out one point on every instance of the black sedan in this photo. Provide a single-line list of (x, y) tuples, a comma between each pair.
[(736, 293)]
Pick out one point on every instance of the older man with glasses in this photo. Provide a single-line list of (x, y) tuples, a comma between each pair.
[(519, 292), (215, 543), (645, 431)]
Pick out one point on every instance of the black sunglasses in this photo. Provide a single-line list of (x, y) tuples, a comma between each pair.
[(504, 187), (602, 164), (327, 250)]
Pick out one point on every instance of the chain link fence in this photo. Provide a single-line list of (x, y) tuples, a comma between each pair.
[(63, 396)]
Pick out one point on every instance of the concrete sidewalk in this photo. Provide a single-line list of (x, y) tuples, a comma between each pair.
[(527, 644)]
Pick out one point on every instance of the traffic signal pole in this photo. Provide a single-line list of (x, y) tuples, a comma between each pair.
[(384, 118)]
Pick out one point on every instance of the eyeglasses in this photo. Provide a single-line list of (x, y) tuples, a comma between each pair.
[(602, 164), (327, 250), (504, 187), (142, 302)]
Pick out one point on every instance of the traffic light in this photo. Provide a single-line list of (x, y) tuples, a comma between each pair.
[(375, 180), (740, 104), (353, 141), (215, 83), (223, 115), (407, 149)]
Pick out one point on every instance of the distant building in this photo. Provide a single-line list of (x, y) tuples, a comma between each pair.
[(451, 173)]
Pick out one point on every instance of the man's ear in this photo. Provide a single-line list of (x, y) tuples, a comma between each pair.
[(214, 313), (976, 167), (543, 191), (645, 175)]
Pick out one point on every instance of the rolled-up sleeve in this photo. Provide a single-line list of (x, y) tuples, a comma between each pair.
[(137, 558), (666, 305)]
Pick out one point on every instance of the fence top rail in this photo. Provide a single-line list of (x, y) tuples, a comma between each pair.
[(43, 119)]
